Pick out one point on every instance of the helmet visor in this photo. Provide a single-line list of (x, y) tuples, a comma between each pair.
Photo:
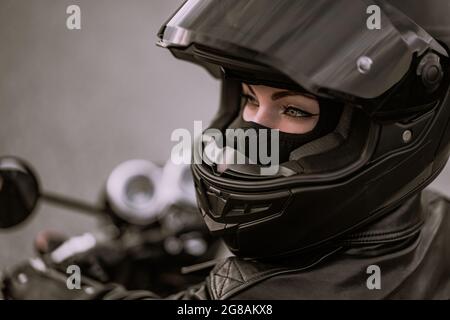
[(325, 46)]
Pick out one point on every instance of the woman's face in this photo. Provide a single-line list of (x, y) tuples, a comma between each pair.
[(288, 111)]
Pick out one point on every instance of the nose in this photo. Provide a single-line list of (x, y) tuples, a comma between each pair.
[(266, 116)]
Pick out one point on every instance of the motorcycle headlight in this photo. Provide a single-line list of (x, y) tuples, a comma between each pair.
[(131, 191)]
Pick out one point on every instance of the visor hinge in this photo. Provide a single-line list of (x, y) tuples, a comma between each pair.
[(431, 72)]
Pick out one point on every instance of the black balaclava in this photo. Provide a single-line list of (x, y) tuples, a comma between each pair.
[(330, 113)]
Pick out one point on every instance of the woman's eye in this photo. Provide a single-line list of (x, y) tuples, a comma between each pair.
[(295, 112), (250, 100)]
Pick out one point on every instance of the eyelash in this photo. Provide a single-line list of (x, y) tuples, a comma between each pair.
[(247, 98), (304, 114)]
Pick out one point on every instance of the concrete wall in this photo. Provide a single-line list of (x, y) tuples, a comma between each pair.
[(77, 103)]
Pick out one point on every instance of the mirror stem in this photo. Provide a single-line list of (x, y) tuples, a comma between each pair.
[(71, 203)]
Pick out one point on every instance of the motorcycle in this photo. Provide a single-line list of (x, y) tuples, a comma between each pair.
[(151, 238)]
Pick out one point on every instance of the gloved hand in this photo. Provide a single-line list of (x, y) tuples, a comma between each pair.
[(42, 278), (96, 260), (33, 280)]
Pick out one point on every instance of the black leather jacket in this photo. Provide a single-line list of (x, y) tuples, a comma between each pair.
[(410, 246)]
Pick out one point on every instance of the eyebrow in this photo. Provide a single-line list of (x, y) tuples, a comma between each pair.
[(282, 94)]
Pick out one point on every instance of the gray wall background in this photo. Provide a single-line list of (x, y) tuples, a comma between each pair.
[(77, 103)]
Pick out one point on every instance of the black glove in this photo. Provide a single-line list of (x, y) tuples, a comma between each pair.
[(33, 280), (99, 262)]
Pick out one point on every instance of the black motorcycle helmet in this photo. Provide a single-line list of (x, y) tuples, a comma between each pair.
[(392, 139)]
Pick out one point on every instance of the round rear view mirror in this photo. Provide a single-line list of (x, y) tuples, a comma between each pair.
[(19, 191)]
